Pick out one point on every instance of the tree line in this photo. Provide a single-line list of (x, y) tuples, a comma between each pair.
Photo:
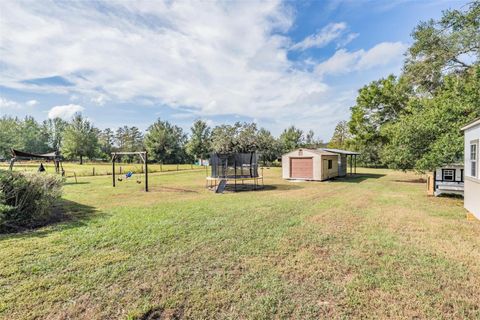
[(166, 142), (414, 120)]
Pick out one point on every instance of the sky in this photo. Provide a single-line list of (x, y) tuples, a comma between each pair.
[(275, 63)]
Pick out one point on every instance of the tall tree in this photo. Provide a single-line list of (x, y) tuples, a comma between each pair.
[(268, 147), (311, 142), (291, 138), (165, 142), (199, 144), (10, 131), (129, 139), (224, 138), (32, 136), (430, 136), (379, 103), (54, 129), (80, 139), (240, 137), (448, 45), (106, 140), (340, 137)]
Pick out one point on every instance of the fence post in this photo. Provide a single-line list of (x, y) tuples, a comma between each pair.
[(161, 169), (177, 167), (75, 175), (120, 170), (93, 171)]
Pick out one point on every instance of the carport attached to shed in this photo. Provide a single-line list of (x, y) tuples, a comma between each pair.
[(343, 161)]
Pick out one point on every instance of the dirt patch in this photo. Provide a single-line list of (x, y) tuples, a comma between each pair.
[(159, 313), (419, 180)]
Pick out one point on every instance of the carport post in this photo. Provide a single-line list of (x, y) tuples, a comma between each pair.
[(351, 164)]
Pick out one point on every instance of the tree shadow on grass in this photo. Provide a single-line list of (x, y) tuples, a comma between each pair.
[(419, 180), (358, 178), (65, 215), (267, 187), (74, 183)]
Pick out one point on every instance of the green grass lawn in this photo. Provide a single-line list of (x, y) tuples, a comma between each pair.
[(97, 168), (371, 247)]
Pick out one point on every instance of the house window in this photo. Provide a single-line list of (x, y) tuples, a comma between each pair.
[(473, 160), (448, 175), (461, 175), (330, 164)]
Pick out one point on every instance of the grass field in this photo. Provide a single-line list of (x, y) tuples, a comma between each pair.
[(374, 246), (97, 168)]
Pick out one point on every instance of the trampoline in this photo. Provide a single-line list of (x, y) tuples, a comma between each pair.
[(234, 171)]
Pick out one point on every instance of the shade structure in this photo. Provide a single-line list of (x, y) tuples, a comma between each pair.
[(54, 156), (28, 155)]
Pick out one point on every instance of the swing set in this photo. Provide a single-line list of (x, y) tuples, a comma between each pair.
[(129, 174)]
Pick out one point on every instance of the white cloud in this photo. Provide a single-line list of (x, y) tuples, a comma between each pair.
[(31, 103), (65, 112), (100, 99), (210, 58), (9, 104), (328, 34), (214, 57), (343, 61)]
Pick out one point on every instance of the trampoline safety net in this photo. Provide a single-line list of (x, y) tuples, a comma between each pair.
[(234, 165)]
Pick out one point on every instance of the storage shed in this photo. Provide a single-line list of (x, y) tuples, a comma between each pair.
[(309, 164), (446, 180)]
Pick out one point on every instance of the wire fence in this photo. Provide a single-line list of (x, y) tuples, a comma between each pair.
[(100, 169)]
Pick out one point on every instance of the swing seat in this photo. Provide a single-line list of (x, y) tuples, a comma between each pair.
[(138, 181), (120, 179)]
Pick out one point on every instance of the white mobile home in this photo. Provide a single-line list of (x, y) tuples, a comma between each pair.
[(472, 167)]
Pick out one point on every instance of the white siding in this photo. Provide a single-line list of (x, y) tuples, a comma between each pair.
[(472, 184)]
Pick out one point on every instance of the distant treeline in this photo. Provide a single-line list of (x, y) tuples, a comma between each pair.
[(413, 121), (166, 142)]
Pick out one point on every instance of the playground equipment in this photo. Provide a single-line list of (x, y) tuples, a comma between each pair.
[(54, 156), (143, 156), (239, 170)]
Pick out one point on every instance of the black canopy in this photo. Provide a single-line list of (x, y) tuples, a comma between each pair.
[(21, 154)]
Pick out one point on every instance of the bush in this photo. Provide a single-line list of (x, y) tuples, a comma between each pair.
[(26, 199)]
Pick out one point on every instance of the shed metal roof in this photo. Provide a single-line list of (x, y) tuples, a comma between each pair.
[(338, 151), (317, 151)]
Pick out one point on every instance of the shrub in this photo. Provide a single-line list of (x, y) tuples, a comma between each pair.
[(26, 199)]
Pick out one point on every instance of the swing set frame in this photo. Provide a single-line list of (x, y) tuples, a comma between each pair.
[(143, 155)]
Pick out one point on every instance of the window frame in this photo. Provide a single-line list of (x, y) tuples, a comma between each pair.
[(444, 171), (473, 150), (330, 164)]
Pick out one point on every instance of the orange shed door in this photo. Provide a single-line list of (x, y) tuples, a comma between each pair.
[(301, 168)]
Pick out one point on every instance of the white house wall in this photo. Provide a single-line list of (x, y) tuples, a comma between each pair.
[(472, 184)]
